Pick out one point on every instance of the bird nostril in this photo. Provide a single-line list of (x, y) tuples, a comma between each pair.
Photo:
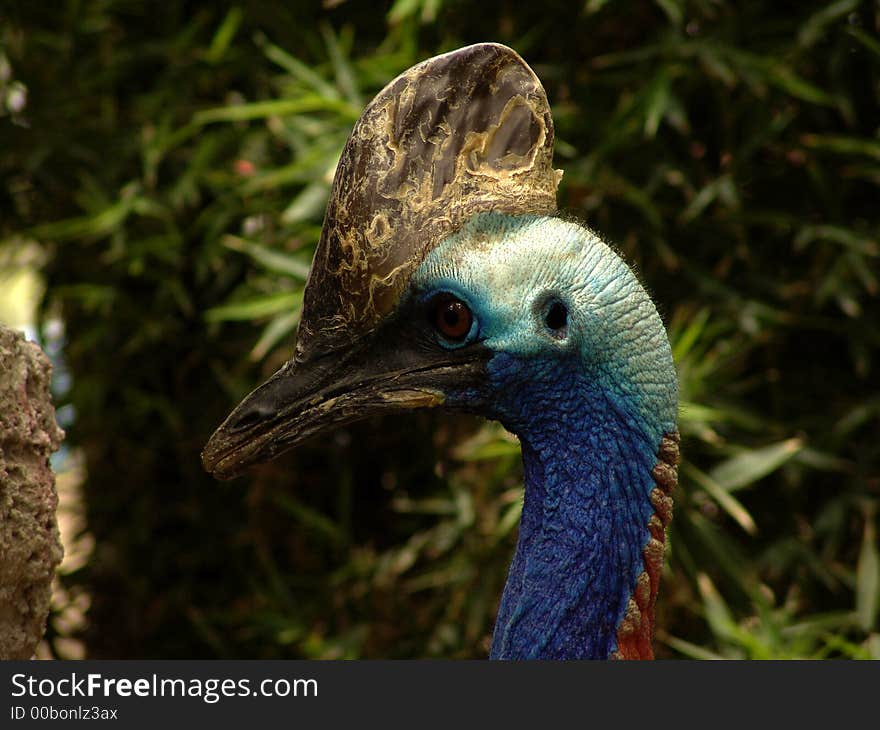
[(248, 419)]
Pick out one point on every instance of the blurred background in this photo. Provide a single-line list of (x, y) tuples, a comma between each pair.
[(164, 169)]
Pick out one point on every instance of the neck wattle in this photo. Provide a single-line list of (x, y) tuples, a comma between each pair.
[(584, 577)]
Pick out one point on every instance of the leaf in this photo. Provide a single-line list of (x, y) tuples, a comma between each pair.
[(699, 413), (308, 204), (776, 73), (614, 184), (310, 518), (688, 649), (817, 24), (725, 500), (592, 6), (686, 339), (854, 240), (868, 576), (403, 9), (492, 450), (866, 39), (844, 145), (673, 10), (274, 332), (509, 520), (346, 79), (92, 226), (490, 442), (296, 68), (714, 63), (859, 415), (722, 189), (224, 35), (717, 613), (255, 308), (822, 461), (276, 108), (319, 163), (658, 102), (268, 258), (713, 547), (873, 645), (749, 466), (624, 58)]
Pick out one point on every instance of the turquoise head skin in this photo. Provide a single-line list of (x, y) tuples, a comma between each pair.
[(581, 370)]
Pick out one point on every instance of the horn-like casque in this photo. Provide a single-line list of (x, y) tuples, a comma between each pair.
[(459, 134)]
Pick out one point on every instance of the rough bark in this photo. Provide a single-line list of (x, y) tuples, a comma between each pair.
[(30, 545)]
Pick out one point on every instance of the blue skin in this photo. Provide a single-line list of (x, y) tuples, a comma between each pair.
[(590, 403)]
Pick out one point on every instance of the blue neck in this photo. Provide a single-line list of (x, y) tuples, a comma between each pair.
[(588, 455)]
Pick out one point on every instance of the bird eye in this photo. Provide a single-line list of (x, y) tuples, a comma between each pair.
[(451, 317), (556, 317)]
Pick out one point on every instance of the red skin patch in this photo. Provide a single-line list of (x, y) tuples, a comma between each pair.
[(635, 635)]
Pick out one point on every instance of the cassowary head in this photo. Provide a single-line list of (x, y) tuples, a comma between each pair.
[(442, 279)]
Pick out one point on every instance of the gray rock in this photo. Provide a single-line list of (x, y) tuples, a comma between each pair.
[(30, 544)]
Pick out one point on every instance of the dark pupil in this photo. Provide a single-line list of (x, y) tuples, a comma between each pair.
[(452, 318), (557, 316), (452, 314)]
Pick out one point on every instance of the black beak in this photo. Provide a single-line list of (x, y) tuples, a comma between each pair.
[(305, 399)]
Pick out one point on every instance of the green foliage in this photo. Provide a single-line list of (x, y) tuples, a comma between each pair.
[(174, 161)]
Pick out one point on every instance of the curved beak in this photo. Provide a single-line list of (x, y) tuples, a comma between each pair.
[(305, 399)]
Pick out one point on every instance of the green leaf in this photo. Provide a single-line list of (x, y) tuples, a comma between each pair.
[(490, 442), (699, 413), (308, 204), (866, 39), (844, 145), (722, 189), (712, 58), (822, 461), (817, 24), (491, 450), (873, 646), (255, 308), (771, 71), (749, 466), (658, 102), (702, 200), (864, 244), (717, 613), (271, 259), (591, 7), (92, 226), (673, 10), (692, 651), (276, 108), (296, 68), (868, 575), (404, 9), (509, 519), (725, 500), (310, 518), (224, 35), (346, 79), (281, 326), (684, 341)]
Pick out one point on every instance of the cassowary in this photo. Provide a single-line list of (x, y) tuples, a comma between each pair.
[(443, 279)]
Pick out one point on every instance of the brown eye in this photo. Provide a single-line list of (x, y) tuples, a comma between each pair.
[(451, 317)]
